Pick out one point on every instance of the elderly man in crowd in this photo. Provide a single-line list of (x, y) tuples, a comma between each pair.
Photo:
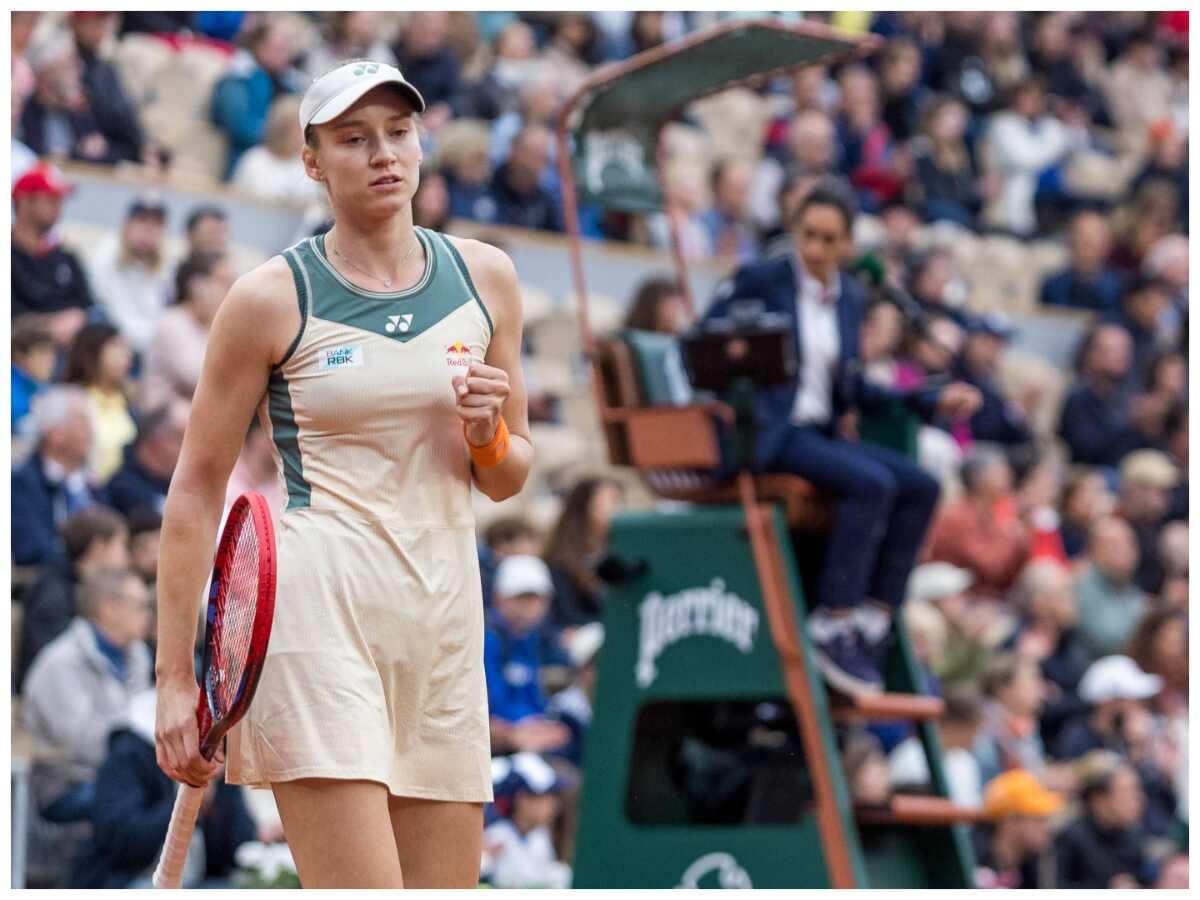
[(80, 686), (53, 484), (94, 539), (975, 533)]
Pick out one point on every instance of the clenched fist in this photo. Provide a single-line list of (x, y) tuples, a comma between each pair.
[(479, 397)]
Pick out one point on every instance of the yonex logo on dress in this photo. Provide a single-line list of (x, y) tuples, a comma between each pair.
[(398, 323)]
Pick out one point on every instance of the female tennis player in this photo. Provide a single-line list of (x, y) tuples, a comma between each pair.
[(385, 360)]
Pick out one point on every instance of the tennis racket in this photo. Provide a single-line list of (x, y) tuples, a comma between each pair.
[(241, 606)]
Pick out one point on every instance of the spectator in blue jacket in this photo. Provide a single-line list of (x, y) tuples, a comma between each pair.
[(58, 120), (424, 56), (53, 484), (517, 645), (1097, 422), (145, 475), (998, 420), (1087, 283), (257, 75), (1141, 312), (32, 364), (516, 189), (133, 807), (115, 112)]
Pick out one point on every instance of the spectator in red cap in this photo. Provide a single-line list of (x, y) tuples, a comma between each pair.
[(47, 278), (114, 111)]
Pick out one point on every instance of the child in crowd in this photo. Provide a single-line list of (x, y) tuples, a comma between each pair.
[(518, 851), (519, 647)]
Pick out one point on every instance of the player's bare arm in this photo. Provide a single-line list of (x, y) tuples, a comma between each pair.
[(251, 332), (496, 388)]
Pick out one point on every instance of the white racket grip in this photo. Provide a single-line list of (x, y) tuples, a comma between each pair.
[(169, 871)]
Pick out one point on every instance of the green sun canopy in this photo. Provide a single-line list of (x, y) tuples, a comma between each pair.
[(615, 124)]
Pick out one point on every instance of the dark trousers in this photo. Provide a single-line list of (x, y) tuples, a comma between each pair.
[(74, 805), (884, 502)]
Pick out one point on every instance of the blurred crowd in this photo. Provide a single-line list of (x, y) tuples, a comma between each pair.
[(1051, 607)]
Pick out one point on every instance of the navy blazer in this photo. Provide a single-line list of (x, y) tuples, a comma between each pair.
[(35, 537), (775, 282)]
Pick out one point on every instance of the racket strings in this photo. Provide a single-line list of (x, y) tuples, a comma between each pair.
[(233, 628)]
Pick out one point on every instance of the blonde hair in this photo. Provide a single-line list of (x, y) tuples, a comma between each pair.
[(282, 119), (460, 139)]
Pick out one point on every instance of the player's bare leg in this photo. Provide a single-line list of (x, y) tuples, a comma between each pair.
[(340, 833), (439, 842)]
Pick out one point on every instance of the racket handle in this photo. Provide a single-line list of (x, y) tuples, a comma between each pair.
[(169, 871)]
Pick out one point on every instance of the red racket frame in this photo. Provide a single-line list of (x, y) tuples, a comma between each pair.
[(252, 505), (168, 872)]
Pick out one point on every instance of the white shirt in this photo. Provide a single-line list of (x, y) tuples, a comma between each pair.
[(816, 311), (515, 860), (266, 176), (132, 295), (23, 159), (907, 767)]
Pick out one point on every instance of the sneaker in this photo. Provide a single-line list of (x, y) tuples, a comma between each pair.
[(841, 655), (875, 633)]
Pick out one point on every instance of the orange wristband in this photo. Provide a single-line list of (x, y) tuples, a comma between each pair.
[(493, 452)]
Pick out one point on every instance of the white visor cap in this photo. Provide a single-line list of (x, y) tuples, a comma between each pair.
[(336, 91)]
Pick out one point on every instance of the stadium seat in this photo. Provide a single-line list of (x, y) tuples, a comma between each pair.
[(536, 303), (1018, 370), (187, 83), (673, 446), (1000, 277), (551, 374), (1047, 257), (140, 59), (556, 334)]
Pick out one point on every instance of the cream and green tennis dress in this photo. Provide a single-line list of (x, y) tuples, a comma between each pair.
[(375, 666)]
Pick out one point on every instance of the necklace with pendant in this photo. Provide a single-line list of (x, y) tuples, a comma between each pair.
[(387, 282)]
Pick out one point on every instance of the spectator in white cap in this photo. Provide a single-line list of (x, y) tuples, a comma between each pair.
[(1110, 603), (1115, 689), (519, 849), (971, 625), (517, 646), (1119, 719)]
